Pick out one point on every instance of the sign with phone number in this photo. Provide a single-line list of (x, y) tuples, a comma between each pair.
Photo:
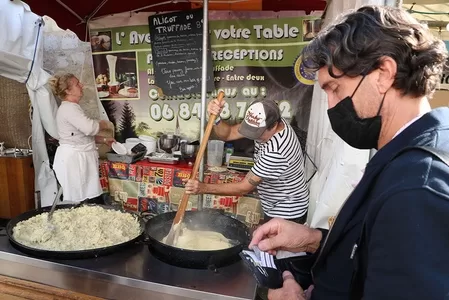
[(187, 110)]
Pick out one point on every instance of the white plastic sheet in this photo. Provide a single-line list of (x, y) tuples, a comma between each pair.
[(21, 60), (22, 41)]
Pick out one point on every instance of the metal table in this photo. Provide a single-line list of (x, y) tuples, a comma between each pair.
[(132, 274)]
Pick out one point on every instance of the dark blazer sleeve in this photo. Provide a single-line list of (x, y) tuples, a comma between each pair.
[(408, 248), (324, 233)]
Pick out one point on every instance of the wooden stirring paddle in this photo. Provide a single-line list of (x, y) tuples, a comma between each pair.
[(174, 231)]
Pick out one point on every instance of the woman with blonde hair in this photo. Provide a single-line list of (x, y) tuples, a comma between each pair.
[(76, 159)]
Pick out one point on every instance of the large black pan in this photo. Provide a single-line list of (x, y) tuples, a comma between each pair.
[(214, 220), (66, 254)]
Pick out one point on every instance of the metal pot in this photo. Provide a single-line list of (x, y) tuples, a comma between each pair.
[(210, 219), (168, 141), (188, 150)]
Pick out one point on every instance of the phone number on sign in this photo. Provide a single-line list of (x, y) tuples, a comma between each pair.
[(188, 110)]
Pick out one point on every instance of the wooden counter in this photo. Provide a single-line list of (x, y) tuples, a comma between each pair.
[(16, 185), (16, 289)]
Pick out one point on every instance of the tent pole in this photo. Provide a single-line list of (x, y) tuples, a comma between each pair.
[(70, 10), (154, 5), (203, 90), (92, 14)]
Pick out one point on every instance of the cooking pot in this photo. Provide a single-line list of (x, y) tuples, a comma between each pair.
[(168, 142), (188, 150), (209, 219)]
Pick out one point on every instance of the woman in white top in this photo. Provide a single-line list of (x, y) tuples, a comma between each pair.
[(76, 159)]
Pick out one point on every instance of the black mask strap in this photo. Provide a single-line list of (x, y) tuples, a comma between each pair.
[(381, 104), (357, 87)]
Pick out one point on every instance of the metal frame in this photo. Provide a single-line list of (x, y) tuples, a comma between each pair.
[(203, 90), (86, 20)]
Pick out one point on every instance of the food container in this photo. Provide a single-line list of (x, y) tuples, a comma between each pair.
[(127, 159), (215, 153), (163, 158), (131, 142), (149, 142)]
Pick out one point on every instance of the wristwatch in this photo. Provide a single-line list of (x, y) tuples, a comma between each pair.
[(217, 120)]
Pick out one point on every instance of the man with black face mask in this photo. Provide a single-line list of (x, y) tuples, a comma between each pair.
[(390, 241), (357, 132)]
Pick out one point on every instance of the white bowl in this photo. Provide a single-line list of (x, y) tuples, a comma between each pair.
[(151, 146), (147, 138), (133, 141)]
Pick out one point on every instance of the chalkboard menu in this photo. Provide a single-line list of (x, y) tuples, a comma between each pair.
[(176, 42)]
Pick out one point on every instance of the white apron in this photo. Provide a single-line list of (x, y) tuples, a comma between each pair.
[(77, 170)]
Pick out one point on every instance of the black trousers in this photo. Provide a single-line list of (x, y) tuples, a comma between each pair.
[(300, 220)]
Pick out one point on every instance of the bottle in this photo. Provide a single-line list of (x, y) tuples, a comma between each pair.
[(229, 150)]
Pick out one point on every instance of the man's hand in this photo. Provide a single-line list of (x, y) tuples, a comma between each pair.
[(280, 234), (290, 290), (215, 107), (193, 187)]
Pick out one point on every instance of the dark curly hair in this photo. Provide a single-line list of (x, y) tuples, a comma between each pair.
[(355, 46)]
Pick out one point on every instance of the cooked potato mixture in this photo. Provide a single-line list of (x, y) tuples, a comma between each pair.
[(200, 240), (75, 229)]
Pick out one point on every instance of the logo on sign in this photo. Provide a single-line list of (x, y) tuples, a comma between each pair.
[(119, 166)]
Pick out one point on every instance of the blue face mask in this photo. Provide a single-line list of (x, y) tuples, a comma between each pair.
[(355, 131)]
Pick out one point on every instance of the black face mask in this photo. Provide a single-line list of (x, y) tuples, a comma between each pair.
[(357, 132)]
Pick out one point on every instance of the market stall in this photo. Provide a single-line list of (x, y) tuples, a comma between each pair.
[(146, 186), (155, 188)]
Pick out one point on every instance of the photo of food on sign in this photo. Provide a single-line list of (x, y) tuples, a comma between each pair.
[(100, 41), (310, 29), (116, 75)]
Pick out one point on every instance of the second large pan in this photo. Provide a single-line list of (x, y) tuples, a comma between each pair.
[(90, 253), (214, 220)]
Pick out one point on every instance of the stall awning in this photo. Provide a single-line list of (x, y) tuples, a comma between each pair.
[(74, 15)]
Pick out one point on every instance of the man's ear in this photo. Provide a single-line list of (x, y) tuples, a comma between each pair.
[(387, 74)]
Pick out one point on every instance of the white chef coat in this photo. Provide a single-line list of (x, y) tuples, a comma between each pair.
[(76, 160)]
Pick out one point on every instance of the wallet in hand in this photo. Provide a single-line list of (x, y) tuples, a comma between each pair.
[(267, 269)]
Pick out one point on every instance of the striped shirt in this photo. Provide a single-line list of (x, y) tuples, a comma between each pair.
[(280, 163)]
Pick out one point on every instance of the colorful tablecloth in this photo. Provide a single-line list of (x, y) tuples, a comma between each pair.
[(157, 188)]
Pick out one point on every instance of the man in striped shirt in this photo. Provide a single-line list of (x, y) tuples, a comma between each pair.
[(278, 171)]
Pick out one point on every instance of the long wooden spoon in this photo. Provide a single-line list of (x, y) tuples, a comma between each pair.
[(174, 231)]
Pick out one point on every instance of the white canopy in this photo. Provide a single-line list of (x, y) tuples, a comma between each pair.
[(21, 60), (27, 44)]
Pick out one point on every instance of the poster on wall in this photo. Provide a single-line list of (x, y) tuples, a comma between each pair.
[(255, 55)]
